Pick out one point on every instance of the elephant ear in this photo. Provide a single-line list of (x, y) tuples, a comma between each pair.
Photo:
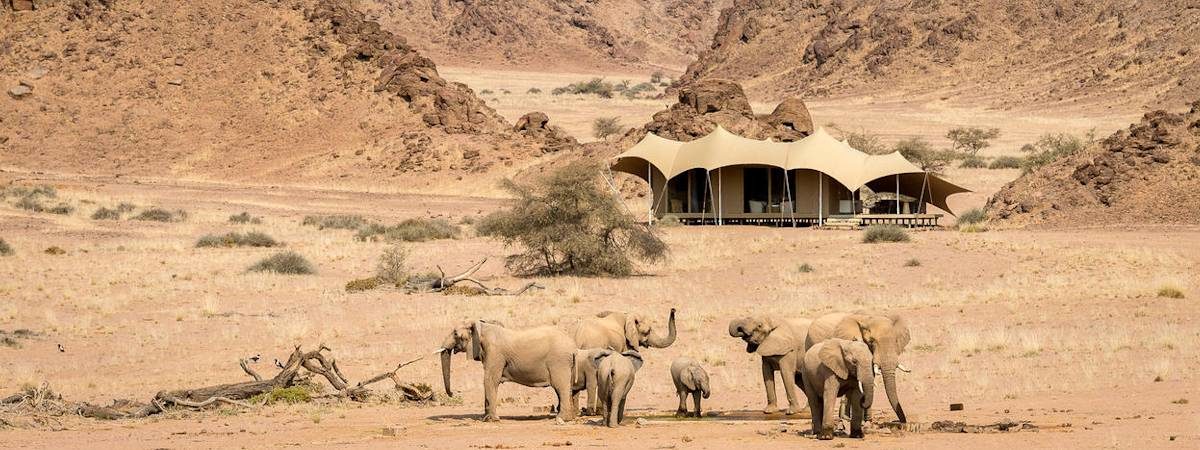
[(899, 331), (635, 358), (781, 340), (476, 345), (633, 337), (598, 355), (688, 379), (831, 356), (851, 328)]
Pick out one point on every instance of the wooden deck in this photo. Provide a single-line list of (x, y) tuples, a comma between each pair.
[(808, 220)]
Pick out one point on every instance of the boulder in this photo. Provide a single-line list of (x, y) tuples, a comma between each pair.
[(706, 103), (533, 122), (792, 114), (22, 5), (710, 96), (20, 91)]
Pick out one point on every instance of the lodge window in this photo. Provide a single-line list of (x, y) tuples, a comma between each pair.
[(688, 193), (764, 189)]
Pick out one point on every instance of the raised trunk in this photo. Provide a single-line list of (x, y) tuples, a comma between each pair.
[(660, 341), (889, 386), (446, 371)]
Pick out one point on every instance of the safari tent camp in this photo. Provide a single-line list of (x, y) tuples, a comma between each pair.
[(818, 180)]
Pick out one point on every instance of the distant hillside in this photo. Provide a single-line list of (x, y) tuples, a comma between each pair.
[(1148, 174), (1002, 53), (289, 90), (562, 35)]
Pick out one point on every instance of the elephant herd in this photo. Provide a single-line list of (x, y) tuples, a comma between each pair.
[(835, 355)]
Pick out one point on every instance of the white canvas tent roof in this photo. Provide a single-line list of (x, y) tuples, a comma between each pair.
[(819, 151)]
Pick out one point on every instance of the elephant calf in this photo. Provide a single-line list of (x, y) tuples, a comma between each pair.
[(835, 368), (692, 379), (614, 376)]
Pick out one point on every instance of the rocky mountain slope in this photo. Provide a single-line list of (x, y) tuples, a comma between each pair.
[(569, 35), (1147, 174), (286, 89), (1005, 53)]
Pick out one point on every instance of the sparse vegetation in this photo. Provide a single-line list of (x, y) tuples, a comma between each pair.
[(1007, 162), (485, 92), (234, 239), (1050, 147), (912, 262), (866, 142), (54, 250), (104, 213), (636, 90), (656, 77), (410, 230), (244, 218), (289, 395), (286, 263), (970, 140), (603, 127), (568, 224), (161, 215), (363, 284), (595, 86), (923, 155), (884, 233), (1170, 292), (972, 216), (805, 268), (392, 267), (533, 90), (668, 220), (336, 222), (973, 162), (5, 249)]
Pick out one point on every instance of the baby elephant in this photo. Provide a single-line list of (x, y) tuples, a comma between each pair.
[(614, 378), (689, 378), (833, 368)]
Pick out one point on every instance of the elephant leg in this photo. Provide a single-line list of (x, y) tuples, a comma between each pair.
[(829, 416), (621, 411), (814, 405), (491, 381), (696, 399), (591, 408), (682, 410), (560, 380), (787, 371), (612, 406), (768, 375), (854, 399)]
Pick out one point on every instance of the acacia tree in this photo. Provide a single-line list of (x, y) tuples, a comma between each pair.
[(604, 127), (923, 155), (566, 223), (971, 140)]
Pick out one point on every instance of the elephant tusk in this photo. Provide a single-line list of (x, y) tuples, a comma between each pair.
[(901, 368), (439, 350), (877, 371)]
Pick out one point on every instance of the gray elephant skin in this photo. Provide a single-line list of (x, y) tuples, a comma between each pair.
[(780, 343), (835, 368), (618, 331), (614, 375), (885, 334), (690, 379)]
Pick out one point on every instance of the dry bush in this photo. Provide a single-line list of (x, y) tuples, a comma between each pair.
[(244, 218), (161, 215), (1170, 292), (805, 268), (972, 216), (54, 250), (884, 233), (973, 162), (5, 249), (1052, 146), (286, 263), (104, 213), (336, 222), (410, 230), (912, 262), (566, 223), (234, 239), (595, 86), (668, 221), (392, 267), (865, 142), (925, 156), (363, 284), (970, 140), (603, 127), (533, 90), (1007, 162)]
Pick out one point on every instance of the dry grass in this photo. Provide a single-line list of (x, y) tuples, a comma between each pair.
[(285, 263), (235, 239)]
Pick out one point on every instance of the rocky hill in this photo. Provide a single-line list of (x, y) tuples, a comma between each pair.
[(1148, 174), (569, 35), (286, 89), (1004, 53)]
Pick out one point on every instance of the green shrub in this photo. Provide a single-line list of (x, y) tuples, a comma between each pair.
[(925, 156), (603, 127), (884, 233), (567, 223), (656, 77), (287, 263), (596, 86), (106, 214), (533, 90), (392, 267), (251, 239), (289, 395), (972, 216), (973, 162), (912, 262), (805, 268), (1007, 162), (363, 284), (161, 215), (970, 140), (336, 222), (1170, 292), (244, 218), (5, 249), (410, 230), (1052, 146)]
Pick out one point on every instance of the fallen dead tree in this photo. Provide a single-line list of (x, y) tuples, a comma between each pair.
[(445, 283), (300, 368)]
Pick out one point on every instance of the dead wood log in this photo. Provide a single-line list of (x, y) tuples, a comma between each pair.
[(443, 282)]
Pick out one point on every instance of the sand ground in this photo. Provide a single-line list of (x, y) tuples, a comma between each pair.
[(1061, 328)]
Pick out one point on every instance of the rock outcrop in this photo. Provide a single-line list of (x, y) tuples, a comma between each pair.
[(707, 103), (1147, 174)]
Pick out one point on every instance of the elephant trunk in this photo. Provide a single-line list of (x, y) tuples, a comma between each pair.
[(704, 391), (737, 328), (660, 341), (888, 371), (866, 377), (446, 371)]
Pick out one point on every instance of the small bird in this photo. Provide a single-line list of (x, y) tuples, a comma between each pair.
[(255, 358), (278, 364), (61, 349)]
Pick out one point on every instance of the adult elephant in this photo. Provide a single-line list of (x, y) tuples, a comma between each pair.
[(620, 332), (780, 343), (885, 334), (534, 357)]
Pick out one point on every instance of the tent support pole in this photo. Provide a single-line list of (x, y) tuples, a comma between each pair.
[(711, 194), (820, 198), (897, 193), (650, 181), (921, 200), (720, 199), (787, 186)]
